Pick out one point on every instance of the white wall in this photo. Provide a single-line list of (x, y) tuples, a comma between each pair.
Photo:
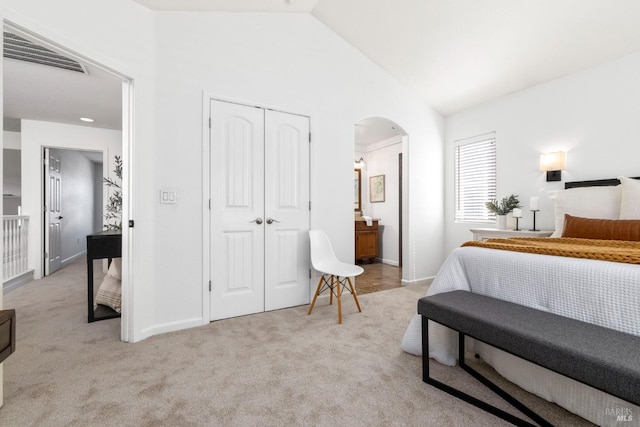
[(98, 194), (35, 136), (11, 181), (286, 60), (382, 159), (11, 140), (11, 172), (592, 115), (294, 63)]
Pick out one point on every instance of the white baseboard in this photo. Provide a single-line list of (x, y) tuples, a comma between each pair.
[(16, 282), (423, 281), (388, 262), (170, 327), (74, 257)]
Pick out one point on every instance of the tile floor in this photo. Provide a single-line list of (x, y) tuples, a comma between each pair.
[(378, 277)]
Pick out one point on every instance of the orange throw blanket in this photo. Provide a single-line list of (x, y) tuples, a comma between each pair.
[(604, 250)]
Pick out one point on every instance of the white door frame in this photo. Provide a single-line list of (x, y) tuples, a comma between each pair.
[(128, 143), (206, 184)]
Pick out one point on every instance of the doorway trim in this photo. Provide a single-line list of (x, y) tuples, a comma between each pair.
[(45, 172), (406, 259), (128, 145)]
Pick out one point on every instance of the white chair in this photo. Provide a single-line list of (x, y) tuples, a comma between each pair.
[(335, 274)]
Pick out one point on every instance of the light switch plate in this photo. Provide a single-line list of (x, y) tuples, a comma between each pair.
[(168, 196)]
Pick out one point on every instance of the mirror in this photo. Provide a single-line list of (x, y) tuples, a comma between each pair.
[(357, 191)]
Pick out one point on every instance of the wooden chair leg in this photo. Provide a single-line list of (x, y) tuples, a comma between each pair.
[(339, 296), (331, 286), (353, 292), (316, 295)]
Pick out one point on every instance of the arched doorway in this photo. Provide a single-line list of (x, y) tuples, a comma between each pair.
[(380, 156)]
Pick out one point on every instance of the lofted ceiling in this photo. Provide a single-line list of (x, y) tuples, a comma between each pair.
[(460, 53), (455, 54)]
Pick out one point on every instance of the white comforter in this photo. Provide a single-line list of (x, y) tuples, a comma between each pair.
[(599, 292)]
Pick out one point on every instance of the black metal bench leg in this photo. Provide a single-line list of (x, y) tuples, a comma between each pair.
[(470, 399)]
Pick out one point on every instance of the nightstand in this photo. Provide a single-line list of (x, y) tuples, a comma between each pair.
[(492, 233)]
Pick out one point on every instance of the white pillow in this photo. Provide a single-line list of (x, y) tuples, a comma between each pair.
[(587, 202), (110, 290), (629, 198)]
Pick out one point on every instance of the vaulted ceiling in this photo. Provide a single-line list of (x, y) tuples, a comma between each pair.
[(454, 53), (460, 53)]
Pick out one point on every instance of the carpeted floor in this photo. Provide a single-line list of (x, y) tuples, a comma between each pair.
[(281, 368)]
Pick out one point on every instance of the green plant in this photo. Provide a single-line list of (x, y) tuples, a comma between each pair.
[(503, 207), (113, 214)]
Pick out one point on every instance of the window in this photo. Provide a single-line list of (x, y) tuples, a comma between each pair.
[(475, 177)]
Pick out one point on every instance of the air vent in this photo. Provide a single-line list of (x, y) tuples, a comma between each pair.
[(16, 47)]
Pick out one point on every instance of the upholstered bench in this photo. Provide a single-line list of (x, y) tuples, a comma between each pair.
[(603, 358)]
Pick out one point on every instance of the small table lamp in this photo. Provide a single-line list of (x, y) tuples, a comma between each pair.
[(533, 207), (517, 214)]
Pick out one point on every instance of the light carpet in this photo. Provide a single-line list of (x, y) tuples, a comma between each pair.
[(281, 368)]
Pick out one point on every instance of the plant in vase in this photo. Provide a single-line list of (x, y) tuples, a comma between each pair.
[(113, 215), (502, 208)]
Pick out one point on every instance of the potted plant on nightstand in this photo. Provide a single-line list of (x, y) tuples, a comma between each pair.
[(502, 208)]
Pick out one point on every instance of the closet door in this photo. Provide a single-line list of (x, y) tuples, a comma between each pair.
[(237, 210), (286, 210), (259, 221)]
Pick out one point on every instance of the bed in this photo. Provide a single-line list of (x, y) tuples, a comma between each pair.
[(601, 292)]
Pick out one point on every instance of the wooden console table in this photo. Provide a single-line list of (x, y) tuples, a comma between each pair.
[(105, 244)]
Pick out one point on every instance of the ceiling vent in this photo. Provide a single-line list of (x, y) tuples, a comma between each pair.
[(16, 47)]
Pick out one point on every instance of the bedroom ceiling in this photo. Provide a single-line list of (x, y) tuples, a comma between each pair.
[(461, 53), (454, 53)]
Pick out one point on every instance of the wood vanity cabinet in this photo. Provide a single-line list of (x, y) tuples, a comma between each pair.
[(366, 240)]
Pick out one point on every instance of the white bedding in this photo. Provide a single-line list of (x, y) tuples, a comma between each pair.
[(599, 292)]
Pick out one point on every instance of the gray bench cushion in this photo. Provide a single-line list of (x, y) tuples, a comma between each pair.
[(603, 358)]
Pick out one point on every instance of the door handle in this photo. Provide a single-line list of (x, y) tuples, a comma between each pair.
[(271, 220), (60, 217), (257, 221)]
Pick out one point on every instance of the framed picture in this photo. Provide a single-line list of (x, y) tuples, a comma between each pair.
[(376, 188)]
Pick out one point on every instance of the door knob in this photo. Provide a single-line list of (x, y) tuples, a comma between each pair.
[(271, 220), (257, 221)]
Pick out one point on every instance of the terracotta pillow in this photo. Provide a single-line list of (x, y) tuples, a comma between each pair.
[(604, 229)]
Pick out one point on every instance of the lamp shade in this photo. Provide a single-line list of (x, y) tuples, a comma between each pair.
[(553, 161)]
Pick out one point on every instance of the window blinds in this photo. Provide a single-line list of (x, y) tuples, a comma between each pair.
[(475, 177)]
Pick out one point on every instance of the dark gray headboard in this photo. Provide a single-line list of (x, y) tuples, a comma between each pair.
[(593, 183)]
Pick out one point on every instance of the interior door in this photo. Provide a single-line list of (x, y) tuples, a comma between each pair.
[(259, 221), (237, 210), (286, 210), (53, 208)]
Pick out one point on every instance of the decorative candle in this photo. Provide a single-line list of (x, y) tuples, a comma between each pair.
[(517, 213), (533, 204)]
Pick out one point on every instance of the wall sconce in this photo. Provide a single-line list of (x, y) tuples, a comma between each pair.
[(553, 164), (358, 164)]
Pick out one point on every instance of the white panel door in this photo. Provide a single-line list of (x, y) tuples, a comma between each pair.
[(237, 210), (259, 221), (286, 210), (53, 209)]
